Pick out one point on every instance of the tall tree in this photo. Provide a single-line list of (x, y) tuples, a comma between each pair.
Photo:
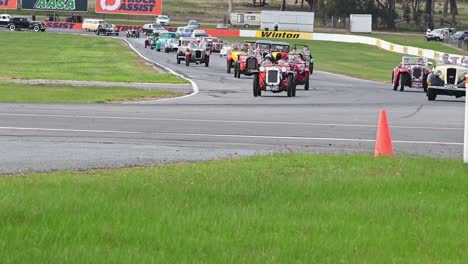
[(430, 13)]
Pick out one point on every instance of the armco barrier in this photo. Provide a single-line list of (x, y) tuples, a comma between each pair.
[(431, 54)]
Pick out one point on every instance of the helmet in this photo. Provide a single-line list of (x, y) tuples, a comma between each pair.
[(284, 56), (268, 56)]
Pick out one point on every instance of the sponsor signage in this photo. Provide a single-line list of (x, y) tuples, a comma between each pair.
[(278, 34), (79, 26), (64, 25), (130, 7), (8, 4), (55, 5)]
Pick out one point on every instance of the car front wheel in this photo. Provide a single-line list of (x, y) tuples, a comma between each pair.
[(402, 82), (229, 65), (431, 95), (12, 27), (395, 82), (306, 82), (36, 29)]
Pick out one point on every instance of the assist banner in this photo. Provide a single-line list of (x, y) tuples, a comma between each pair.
[(8, 4), (55, 5), (130, 7)]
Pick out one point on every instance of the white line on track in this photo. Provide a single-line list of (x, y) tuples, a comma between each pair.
[(223, 135), (194, 85), (226, 121)]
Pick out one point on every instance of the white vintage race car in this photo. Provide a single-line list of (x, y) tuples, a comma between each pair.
[(448, 77), (225, 50)]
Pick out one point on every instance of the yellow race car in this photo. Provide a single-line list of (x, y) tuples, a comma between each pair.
[(237, 49)]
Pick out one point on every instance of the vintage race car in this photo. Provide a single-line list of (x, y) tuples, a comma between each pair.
[(168, 41), (246, 64), (276, 48), (216, 45), (237, 48), (107, 30), (306, 55), (448, 77), (275, 78), (190, 50), (262, 48), (132, 33), (225, 50), (302, 71), (411, 72)]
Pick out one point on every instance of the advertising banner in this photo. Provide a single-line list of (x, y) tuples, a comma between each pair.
[(8, 4), (55, 5), (130, 7)]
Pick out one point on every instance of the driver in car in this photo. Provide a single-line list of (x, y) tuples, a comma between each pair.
[(284, 60)]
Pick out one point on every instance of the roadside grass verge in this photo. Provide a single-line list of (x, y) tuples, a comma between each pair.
[(28, 93), (291, 208), (33, 55), (415, 41)]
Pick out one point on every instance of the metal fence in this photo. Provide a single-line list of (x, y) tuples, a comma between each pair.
[(458, 43)]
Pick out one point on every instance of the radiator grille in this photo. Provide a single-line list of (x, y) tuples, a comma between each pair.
[(417, 72), (451, 76), (251, 64), (272, 76), (198, 54)]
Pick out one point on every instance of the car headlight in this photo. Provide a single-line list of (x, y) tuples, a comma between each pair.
[(438, 73), (262, 68), (283, 69)]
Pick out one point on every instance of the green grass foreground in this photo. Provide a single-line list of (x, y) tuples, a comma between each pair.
[(74, 57), (291, 208)]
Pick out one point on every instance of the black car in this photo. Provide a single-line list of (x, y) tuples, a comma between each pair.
[(460, 35), (18, 23), (106, 29)]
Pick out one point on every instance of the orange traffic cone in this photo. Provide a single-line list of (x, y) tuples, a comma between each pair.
[(383, 142)]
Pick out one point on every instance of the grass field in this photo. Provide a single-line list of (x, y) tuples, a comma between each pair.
[(23, 93), (74, 57), (289, 208)]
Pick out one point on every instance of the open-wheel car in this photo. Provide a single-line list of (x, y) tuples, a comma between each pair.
[(411, 72), (298, 63), (132, 33), (190, 50), (448, 77), (306, 55), (273, 77), (236, 49)]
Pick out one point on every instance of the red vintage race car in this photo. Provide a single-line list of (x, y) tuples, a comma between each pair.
[(411, 72), (216, 45), (302, 71), (246, 64), (275, 78)]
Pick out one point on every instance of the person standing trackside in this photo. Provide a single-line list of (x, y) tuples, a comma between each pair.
[(276, 27)]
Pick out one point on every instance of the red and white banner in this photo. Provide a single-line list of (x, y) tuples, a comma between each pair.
[(130, 7), (8, 4)]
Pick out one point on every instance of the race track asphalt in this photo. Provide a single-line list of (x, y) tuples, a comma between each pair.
[(338, 115)]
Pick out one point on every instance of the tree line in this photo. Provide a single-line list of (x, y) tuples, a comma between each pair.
[(385, 13)]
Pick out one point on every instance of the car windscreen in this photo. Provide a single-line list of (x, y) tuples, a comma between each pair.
[(167, 35)]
